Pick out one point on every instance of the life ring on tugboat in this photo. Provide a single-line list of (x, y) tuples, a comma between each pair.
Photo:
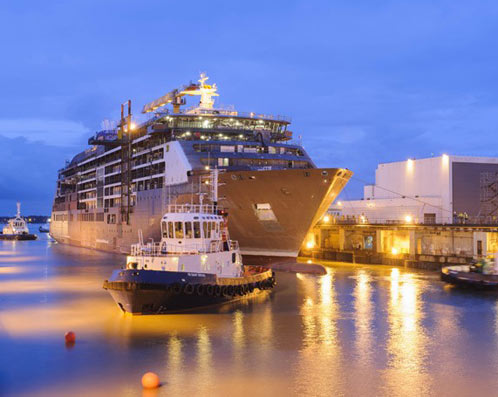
[(188, 289), (200, 289)]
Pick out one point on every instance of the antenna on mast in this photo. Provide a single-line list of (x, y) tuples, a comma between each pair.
[(18, 209)]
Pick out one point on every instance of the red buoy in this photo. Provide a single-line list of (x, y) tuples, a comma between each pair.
[(150, 380), (70, 337)]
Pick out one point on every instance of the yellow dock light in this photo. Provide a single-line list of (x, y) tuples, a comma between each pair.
[(445, 159), (409, 165)]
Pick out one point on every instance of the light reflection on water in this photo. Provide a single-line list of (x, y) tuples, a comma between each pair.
[(407, 342), (358, 330), (320, 355)]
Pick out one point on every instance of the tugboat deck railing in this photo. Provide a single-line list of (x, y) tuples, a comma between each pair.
[(193, 208), (167, 250)]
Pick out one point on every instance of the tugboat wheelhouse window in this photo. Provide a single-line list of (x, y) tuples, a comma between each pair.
[(188, 229), (179, 230), (197, 230)]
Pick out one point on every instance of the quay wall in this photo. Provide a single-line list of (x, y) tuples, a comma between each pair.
[(416, 246)]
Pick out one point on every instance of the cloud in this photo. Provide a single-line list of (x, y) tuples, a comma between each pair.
[(28, 174), (52, 132)]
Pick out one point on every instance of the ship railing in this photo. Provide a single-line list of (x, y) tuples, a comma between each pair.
[(168, 249), (193, 208), (194, 111)]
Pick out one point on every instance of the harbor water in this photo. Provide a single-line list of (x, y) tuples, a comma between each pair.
[(357, 331)]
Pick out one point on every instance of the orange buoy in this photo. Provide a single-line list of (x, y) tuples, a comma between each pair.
[(150, 380), (70, 337)]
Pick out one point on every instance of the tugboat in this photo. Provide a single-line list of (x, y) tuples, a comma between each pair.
[(482, 275), (16, 228), (44, 229), (194, 265)]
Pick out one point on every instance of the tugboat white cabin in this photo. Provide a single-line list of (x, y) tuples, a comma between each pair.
[(194, 239)]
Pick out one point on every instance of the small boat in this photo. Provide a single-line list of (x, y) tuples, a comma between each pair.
[(16, 228), (481, 275), (44, 229), (194, 265)]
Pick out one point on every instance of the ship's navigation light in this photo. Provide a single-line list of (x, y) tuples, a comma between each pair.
[(394, 251), (310, 244), (206, 167), (133, 126), (326, 218), (408, 219)]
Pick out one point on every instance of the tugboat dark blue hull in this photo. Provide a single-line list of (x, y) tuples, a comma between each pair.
[(18, 237), (158, 292)]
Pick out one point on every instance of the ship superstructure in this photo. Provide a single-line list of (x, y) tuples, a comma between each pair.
[(133, 171)]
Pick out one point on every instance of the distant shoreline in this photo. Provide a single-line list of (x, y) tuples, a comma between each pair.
[(29, 218)]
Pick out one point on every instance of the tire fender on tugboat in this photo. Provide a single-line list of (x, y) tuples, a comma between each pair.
[(200, 289), (176, 288), (188, 289)]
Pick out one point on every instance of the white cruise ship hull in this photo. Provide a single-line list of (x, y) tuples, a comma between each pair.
[(270, 212)]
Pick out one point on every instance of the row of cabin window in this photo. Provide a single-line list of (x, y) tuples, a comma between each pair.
[(190, 229)]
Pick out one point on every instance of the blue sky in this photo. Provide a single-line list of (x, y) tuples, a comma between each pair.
[(364, 81)]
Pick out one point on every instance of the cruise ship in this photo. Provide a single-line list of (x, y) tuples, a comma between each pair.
[(132, 171)]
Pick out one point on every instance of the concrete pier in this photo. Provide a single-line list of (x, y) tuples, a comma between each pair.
[(418, 246)]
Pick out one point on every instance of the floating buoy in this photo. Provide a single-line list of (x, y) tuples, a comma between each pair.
[(150, 380), (70, 337)]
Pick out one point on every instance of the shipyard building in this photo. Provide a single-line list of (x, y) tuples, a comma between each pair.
[(437, 190), (426, 213)]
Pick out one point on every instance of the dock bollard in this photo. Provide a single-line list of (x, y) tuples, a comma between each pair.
[(70, 337), (150, 380)]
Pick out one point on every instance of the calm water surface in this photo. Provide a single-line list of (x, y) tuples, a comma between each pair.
[(358, 331)]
